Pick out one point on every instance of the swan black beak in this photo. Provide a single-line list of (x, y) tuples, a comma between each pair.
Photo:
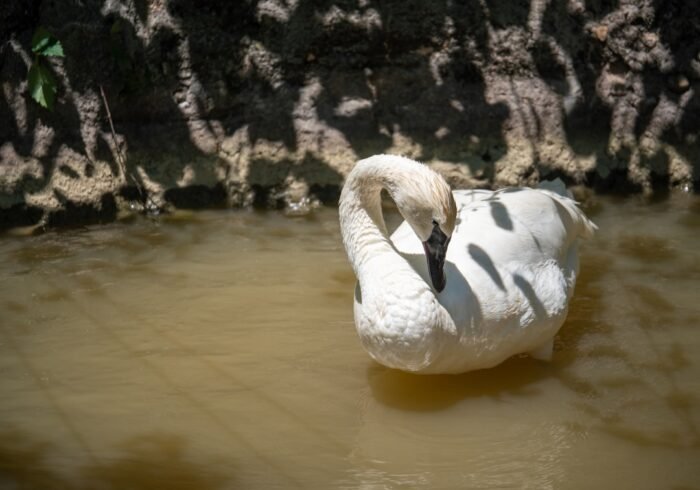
[(435, 251)]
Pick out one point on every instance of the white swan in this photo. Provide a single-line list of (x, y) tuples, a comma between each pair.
[(509, 271)]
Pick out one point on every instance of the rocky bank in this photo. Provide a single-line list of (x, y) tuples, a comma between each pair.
[(233, 103)]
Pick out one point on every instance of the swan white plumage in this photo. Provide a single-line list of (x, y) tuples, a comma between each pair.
[(510, 264)]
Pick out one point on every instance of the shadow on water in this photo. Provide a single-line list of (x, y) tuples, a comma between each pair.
[(147, 462), (23, 465), (424, 393), (153, 461), (595, 359)]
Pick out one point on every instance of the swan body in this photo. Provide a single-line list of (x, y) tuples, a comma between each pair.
[(509, 270)]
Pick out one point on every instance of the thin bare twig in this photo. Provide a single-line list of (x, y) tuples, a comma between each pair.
[(121, 160)]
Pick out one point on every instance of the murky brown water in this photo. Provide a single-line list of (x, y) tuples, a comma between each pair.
[(217, 351)]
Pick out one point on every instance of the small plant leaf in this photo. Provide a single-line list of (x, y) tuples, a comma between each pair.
[(55, 49), (40, 39), (44, 44), (42, 85)]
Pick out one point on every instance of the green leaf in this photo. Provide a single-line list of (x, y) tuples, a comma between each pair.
[(42, 85), (40, 39), (55, 49), (44, 44)]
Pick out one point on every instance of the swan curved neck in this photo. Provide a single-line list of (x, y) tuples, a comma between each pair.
[(398, 316), (361, 220)]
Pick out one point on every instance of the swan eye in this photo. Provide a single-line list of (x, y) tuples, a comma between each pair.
[(435, 223)]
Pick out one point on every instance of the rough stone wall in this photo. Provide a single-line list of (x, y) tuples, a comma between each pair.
[(268, 101)]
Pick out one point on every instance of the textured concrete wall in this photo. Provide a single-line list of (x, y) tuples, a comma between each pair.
[(228, 103)]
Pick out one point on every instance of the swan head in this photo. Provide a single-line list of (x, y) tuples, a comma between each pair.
[(425, 201)]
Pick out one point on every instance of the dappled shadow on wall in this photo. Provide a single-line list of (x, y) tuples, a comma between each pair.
[(501, 89)]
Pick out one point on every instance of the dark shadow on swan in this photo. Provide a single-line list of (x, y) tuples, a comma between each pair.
[(482, 258)]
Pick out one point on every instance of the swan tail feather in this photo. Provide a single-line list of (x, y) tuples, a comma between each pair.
[(557, 190), (557, 186), (543, 352)]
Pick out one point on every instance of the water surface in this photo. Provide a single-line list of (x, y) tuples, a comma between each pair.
[(217, 350)]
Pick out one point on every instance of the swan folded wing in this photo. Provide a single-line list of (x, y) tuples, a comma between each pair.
[(523, 224), (517, 248), (582, 226)]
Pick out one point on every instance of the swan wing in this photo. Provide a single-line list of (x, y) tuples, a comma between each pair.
[(520, 224)]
